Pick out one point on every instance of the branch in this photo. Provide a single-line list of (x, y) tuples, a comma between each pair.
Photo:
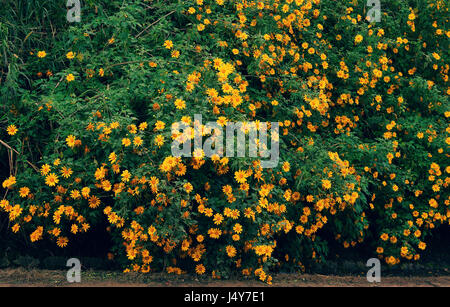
[(146, 28), (12, 149)]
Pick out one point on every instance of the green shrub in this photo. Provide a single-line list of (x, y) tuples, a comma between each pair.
[(87, 111)]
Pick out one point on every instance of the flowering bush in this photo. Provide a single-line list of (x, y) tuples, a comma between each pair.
[(87, 110)]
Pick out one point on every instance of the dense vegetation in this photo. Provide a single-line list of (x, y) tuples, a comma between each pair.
[(86, 113)]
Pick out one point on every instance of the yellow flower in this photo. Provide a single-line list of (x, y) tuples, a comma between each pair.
[(51, 180), (70, 77), (436, 56), (12, 129), (422, 245), (231, 251), (70, 55), (126, 142), (240, 176), (200, 269), (75, 194), (41, 54), (188, 187), (9, 182), (214, 233), (45, 169), (15, 228), (175, 54), (66, 172), (24, 191), (326, 184), (74, 229), (180, 104), (137, 141), (159, 140), (433, 203), (237, 228), (358, 38), (126, 176), (168, 44), (159, 125), (94, 202), (286, 166), (62, 242), (71, 140), (112, 157), (85, 192)]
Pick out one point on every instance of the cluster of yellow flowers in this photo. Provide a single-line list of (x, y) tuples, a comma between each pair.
[(339, 89)]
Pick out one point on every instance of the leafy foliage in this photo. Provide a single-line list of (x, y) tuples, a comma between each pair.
[(87, 110)]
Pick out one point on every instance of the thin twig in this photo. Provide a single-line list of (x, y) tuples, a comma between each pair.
[(124, 63), (146, 28), (58, 83), (12, 149)]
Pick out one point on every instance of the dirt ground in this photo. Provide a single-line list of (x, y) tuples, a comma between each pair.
[(47, 278)]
